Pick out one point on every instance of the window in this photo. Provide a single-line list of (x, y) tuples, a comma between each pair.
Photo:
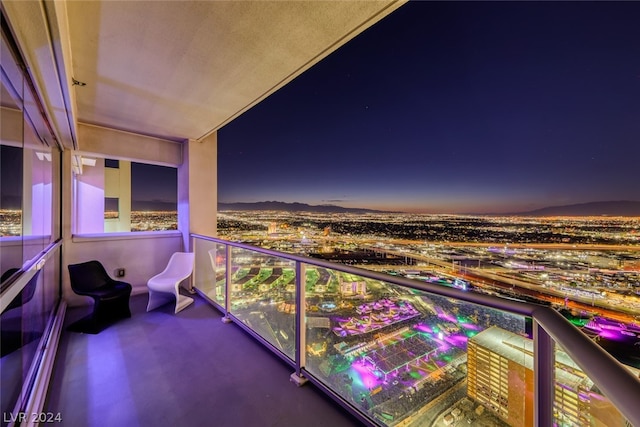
[(10, 190), (113, 195), (112, 163), (27, 153), (111, 208), (29, 183)]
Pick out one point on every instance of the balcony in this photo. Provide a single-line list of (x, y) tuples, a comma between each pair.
[(163, 369), (376, 349)]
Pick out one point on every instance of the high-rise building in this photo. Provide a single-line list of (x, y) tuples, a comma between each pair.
[(500, 377), (273, 228)]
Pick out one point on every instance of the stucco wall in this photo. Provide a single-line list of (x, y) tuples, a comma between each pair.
[(142, 255)]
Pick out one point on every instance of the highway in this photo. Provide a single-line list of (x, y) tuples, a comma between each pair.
[(611, 307), (549, 246), (486, 279)]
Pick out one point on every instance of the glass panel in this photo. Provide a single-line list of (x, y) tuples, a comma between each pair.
[(10, 209), (22, 325), (10, 190), (210, 270), (401, 355), (154, 197), (51, 273), (263, 296), (11, 163), (26, 218), (11, 356), (112, 163), (26, 184), (578, 402), (37, 211), (34, 318), (111, 207), (44, 157)]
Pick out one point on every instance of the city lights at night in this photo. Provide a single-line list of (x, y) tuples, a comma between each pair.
[(429, 212)]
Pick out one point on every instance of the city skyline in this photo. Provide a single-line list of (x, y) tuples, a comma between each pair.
[(453, 108)]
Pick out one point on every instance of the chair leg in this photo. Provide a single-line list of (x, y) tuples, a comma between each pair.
[(104, 314), (181, 301), (109, 311), (156, 299), (99, 313), (122, 307)]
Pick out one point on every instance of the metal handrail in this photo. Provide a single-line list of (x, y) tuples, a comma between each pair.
[(615, 381), (12, 287), (517, 307)]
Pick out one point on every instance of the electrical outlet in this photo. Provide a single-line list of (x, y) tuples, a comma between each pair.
[(119, 272)]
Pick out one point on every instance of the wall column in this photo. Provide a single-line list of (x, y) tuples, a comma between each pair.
[(198, 189), (89, 193)]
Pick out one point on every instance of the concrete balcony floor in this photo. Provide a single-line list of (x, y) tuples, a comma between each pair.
[(163, 369)]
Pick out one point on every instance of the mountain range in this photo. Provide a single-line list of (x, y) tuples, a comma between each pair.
[(610, 208), (290, 207)]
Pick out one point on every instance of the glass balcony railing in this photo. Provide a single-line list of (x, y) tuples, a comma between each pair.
[(210, 270), (394, 351), (263, 297)]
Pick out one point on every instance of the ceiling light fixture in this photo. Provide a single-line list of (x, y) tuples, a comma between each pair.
[(87, 161), (43, 156)]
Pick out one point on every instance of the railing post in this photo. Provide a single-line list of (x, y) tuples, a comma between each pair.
[(301, 340), (227, 281), (544, 374)]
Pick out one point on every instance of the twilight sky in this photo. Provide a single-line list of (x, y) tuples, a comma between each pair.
[(454, 107)]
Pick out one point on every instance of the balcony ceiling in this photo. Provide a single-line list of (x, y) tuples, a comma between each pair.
[(182, 69)]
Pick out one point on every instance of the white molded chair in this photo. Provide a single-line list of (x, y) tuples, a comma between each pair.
[(164, 287)]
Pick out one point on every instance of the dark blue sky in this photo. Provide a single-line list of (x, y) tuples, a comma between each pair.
[(153, 183), (454, 107)]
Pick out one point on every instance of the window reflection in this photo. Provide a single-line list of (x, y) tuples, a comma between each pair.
[(26, 181), (10, 189), (28, 152), (122, 196), (11, 161)]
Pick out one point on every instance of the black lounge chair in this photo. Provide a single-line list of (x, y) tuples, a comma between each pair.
[(111, 297)]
